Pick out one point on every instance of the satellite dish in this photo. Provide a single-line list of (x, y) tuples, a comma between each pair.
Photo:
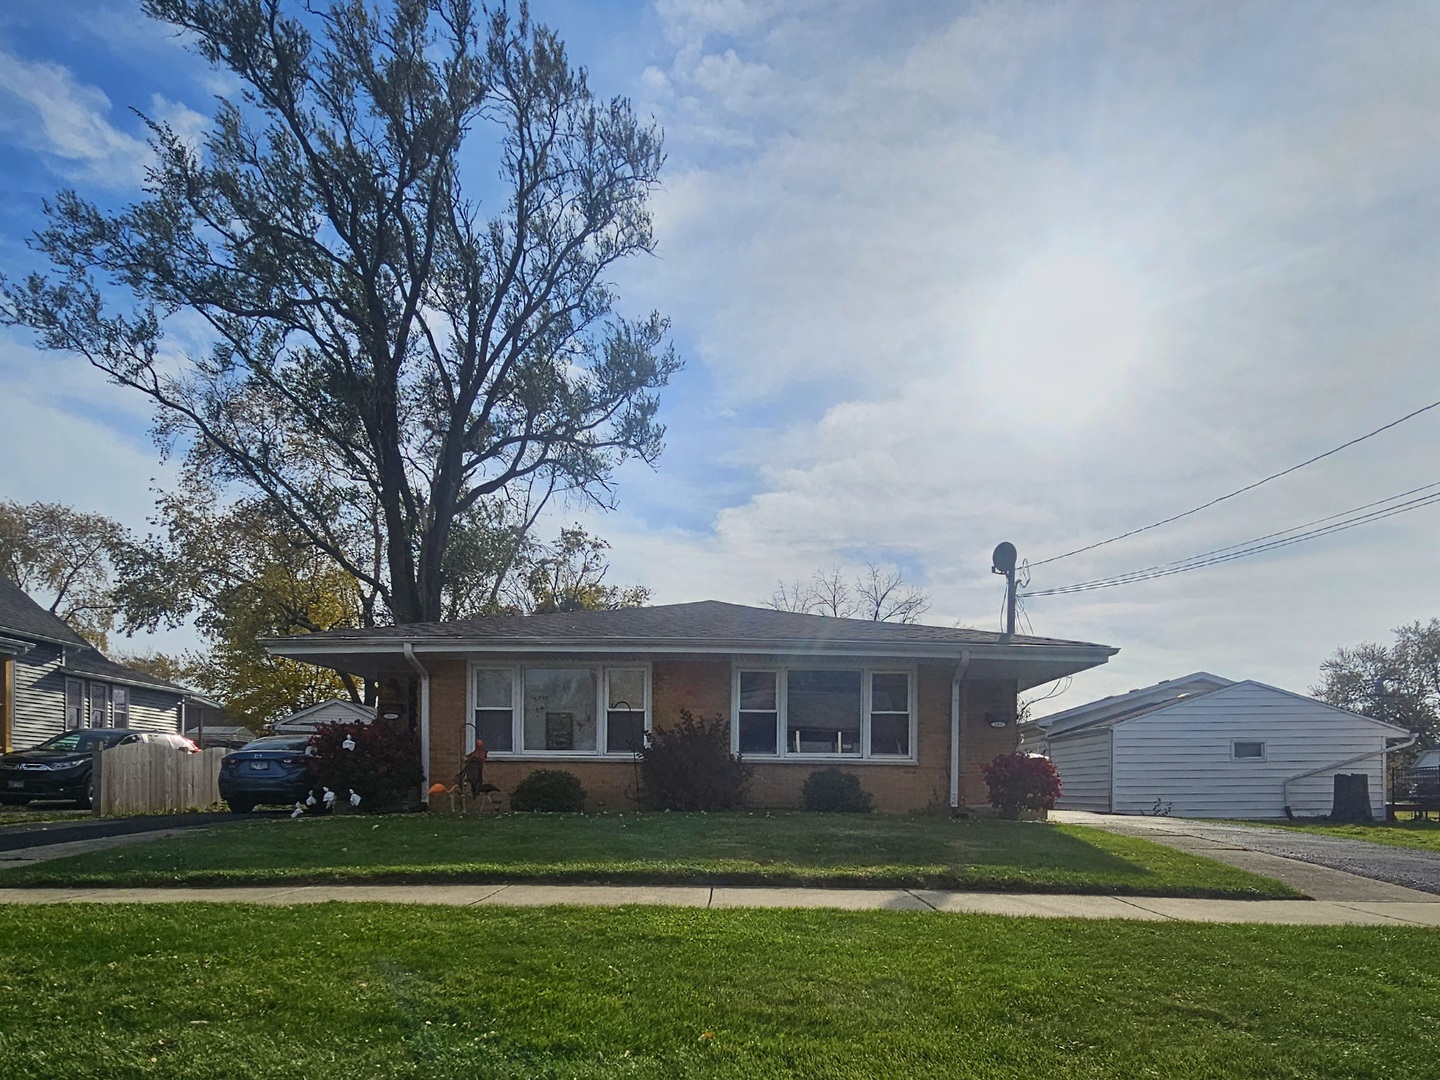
[(1003, 560)]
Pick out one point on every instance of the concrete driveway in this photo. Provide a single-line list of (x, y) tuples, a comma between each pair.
[(1325, 867)]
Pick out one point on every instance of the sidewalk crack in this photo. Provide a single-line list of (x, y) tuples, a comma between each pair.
[(1142, 907), (912, 892)]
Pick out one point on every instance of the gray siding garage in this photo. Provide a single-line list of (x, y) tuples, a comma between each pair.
[(1207, 747)]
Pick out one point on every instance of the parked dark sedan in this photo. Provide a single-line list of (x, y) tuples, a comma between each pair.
[(269, 770), (60, 767)]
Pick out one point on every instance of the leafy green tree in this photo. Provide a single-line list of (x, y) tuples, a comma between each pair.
[(1399, 683), (386, 362), (63, 555), (241, 575)]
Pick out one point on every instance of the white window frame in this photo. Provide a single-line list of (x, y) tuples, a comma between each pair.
[(76, 721), (782, 724), (601, 672), (118, 710), (1257, 742), (104, 692)]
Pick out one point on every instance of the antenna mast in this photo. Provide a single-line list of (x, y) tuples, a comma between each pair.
[(1003, 562)]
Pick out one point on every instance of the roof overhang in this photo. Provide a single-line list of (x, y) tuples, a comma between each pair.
[(14, 646), (1028, 664)]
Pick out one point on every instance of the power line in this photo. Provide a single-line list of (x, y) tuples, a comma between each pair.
[(1237, 491), (1356, 516)]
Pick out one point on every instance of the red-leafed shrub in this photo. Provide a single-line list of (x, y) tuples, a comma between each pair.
[(1021, 782), (383, 768)]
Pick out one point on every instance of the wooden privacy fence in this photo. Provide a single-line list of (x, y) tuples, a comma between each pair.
[(153, 778)]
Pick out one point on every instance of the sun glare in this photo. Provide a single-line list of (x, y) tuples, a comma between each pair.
[(1059, 342)]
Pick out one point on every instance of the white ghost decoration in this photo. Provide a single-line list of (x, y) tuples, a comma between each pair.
[(310, 799), (299, 809), (329, 799), (354, 799), (349, 743)]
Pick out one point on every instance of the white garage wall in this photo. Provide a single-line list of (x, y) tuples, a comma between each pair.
[(1084, 764), (1181, 755)]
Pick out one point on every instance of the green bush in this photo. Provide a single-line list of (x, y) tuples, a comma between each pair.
[(549, 791), (1021, 782), (688, 766), (383, 767), (833, 791)]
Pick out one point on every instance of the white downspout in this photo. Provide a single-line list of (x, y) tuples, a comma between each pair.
[(1383, 751), (409, 650), (955, 683)]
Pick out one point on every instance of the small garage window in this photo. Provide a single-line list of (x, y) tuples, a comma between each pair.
[(1247, 750)]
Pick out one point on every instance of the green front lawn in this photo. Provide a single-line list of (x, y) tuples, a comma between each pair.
[(234, 991), (1412, 834), (788, 848)]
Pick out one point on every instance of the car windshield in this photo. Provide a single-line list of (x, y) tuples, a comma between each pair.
[(84, 740), (279, 742)]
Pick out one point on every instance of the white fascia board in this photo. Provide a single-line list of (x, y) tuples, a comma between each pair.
[(922, 650)]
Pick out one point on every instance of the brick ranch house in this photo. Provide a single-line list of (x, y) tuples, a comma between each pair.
[(914, 710)]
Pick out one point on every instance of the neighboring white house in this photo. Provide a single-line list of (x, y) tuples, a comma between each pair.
[(1203, 746), (334, 711)]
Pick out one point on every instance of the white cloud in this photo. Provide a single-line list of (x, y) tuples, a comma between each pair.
[(1043, 274), (44, 107)]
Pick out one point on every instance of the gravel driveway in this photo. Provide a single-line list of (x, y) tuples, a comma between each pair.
[(1381, 862)]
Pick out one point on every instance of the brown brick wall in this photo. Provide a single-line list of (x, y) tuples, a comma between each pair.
[(703, 687), (979, 742)]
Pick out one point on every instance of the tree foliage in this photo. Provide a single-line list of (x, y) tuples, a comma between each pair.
[(386, 368), (1399, 683), (878, 593), (63, 555), (569, 575)]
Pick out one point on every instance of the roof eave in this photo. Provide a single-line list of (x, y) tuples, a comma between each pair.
[(299, 649)]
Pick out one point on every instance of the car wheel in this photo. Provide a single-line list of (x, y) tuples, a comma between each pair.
[(240, 806)]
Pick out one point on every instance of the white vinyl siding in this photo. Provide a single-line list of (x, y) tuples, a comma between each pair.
[(1183, 756), (1084, 764), (39, 709)]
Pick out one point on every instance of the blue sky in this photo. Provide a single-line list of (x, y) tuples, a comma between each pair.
[(943, 274)]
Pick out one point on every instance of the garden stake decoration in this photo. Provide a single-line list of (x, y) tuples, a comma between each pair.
[(329, 799), (309, 799), (299, 809), (354, 798), (349, 743)]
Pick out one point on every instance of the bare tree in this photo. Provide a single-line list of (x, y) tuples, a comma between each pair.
[(880, 594)]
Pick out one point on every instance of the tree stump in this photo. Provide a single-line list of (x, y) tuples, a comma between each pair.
[(1352, 798)]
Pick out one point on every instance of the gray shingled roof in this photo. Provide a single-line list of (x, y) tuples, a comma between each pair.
[(24, 618), (697, 623)]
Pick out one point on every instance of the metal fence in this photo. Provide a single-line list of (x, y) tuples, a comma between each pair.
[(155, 778), (1417, 789)]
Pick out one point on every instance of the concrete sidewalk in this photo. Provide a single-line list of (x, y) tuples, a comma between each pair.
[(1042, 905)]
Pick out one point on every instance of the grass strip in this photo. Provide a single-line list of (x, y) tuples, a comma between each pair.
[(236, 991), (1419, 834), (685, 849)]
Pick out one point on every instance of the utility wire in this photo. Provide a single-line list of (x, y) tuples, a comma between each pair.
[(1196, 565), (1237, 491), (1351, 518)]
